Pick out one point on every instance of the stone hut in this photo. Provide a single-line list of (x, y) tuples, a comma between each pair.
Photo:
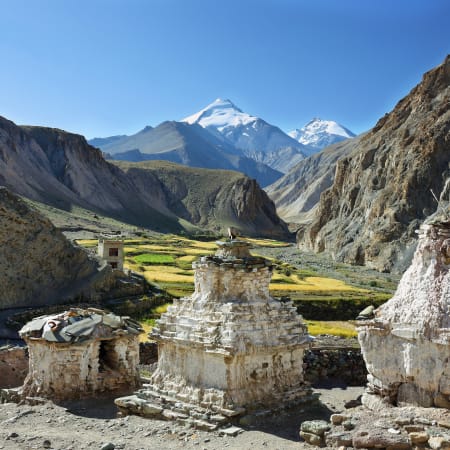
[(80, 353), (406, 346), (227, 349), (110, 249)]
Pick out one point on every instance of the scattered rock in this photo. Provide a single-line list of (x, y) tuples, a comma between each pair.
[(311, 438), (335, 440), (378, 438), (317, 427), (231, 431), (419, 437), (348, 425), (438, 443), (337, 419)]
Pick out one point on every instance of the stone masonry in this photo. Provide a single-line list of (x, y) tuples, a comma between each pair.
[(80, 353), (230, 348)]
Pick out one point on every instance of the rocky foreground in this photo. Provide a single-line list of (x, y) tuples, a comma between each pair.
[(94, 425)]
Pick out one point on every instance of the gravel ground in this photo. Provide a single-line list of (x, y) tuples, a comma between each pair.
[(93, 424)]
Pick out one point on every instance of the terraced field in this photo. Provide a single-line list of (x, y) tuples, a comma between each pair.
[(166, 261)]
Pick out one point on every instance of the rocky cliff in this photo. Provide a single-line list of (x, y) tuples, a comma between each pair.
[(39, 266), (296, 195), (383, 190)]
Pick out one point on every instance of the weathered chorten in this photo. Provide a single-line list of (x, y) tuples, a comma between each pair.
[(407, 345), (80, 353), (228, 348)]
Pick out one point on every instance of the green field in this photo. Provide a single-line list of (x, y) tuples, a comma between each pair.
[(325, 295)]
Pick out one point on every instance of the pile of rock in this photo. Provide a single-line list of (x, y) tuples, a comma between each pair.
[(339, 364), (392, 428)]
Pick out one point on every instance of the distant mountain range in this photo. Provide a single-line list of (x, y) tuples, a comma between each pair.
[(61, 169), (222, 136)]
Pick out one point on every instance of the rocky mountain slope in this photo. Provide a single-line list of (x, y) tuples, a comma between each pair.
[(296, 195), (382, 191), (213, 199), (318, 134), (187, 144), (60, 169), (39, 266)]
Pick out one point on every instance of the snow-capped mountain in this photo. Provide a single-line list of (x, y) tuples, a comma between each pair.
[(318, 134), (253, 136)]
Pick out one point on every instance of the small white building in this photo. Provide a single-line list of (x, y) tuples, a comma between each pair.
[(110, 249), (80, 353)]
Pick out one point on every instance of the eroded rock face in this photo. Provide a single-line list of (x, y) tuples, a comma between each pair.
[(382, 191), (39, 266), (406, 345)]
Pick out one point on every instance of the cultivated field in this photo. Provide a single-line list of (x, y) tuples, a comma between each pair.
[(166, 261)]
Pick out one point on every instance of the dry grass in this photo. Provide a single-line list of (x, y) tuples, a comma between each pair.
[(143, 337), (310, 284), (335, 328), (165, 276)]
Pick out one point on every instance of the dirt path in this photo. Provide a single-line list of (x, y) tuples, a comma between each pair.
[(92, 424)]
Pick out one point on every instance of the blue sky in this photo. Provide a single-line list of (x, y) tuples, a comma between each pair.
[(103, 67)]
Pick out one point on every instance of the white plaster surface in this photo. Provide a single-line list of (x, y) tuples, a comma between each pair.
[(407, 345)]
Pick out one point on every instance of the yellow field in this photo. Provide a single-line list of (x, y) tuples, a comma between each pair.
[(87, 242), (143, 337), (187, 258), (156, 270), (344, 329), (312, 284), (168, 277)]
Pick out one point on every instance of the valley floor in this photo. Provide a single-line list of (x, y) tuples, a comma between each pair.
[(92, 424)]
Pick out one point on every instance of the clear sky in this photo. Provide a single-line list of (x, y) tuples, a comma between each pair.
[(104, 67)]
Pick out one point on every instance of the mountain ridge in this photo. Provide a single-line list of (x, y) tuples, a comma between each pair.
[(382, 191)]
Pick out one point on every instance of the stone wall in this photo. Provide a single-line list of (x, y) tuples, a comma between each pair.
[(335, 366), (148, 353), (13, 366)]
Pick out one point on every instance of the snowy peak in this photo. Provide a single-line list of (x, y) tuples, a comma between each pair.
[(318, 133), (250, 134), (219, 115)]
